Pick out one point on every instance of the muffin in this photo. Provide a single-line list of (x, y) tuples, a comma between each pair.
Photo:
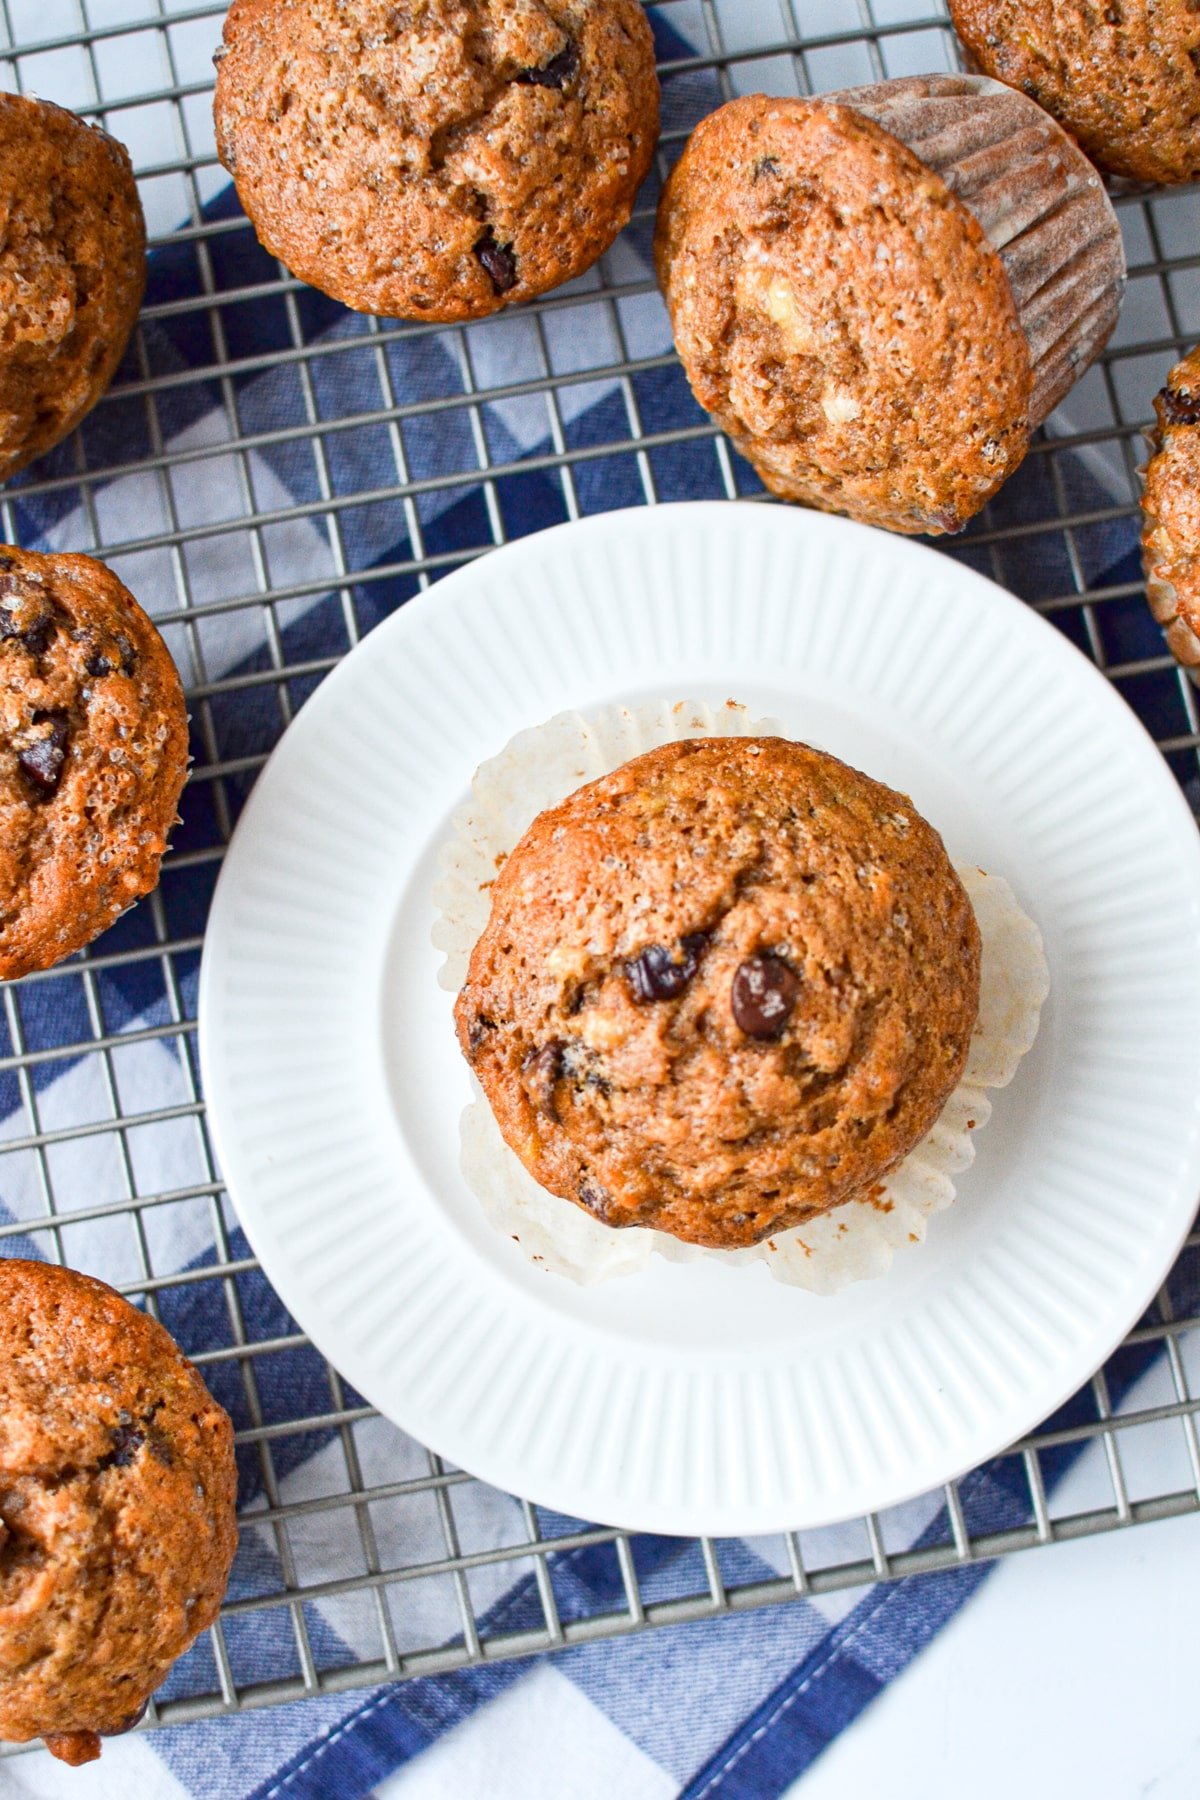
[(117, 1493), (880, 294), (1123, 79), (1171, 514), (72, 271), (443, 161), (93, 754), (535, 772), (721, 990)]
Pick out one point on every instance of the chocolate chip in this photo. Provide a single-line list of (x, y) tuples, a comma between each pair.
[(24, 626), (766, 165), (554, 74), (765, 990), (657, 973), (477, 1031), (43, 760), (595, 1198), (127, 1440), (583, 1067), (100, 663), (498, 260), (542, 1070), (1178, 407), (160, 1448), (128, 1724)]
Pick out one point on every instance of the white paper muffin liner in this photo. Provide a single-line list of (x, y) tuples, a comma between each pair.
[(853, 1242)]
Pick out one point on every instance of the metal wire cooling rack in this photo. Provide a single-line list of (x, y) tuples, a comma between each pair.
[(271, 475)]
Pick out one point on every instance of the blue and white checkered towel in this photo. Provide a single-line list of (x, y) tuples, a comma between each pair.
[(322, 403)]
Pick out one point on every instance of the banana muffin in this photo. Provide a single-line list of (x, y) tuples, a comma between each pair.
[(117, 1497), (1171, 514), (72, 272), (880, 294), (441, 159), (93, 754), (722, 990), (1124, 79)]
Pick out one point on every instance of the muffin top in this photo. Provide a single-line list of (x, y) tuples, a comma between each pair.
[(117, 1491), (1124, 79), (722, 989), (842, 314), (1171, 513), (1041, 204), (443, 158), (72, 271), (93, 754)]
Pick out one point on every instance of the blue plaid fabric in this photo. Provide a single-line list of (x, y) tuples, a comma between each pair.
[(278, 552)]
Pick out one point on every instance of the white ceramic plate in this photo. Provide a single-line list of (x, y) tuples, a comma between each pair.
[(701, 1398)]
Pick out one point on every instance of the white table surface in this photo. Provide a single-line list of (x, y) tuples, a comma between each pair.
[(1071, 1674)]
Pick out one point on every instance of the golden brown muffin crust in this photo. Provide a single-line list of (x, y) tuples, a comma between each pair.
[(438, 159), (1171, 513), (1123, 76), (722, 990), (117, 1508), (93, 754), (842, 315), (1041, 204), (72, 272)]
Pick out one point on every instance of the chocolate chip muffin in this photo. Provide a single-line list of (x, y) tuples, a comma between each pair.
[(880, 294), (1124, 79), (93, 754), (1171, 514), (72, 271), (117, 1493), (441, 159), (721, 990)]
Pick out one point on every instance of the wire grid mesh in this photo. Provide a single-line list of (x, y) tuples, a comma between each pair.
[(272, 475)]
